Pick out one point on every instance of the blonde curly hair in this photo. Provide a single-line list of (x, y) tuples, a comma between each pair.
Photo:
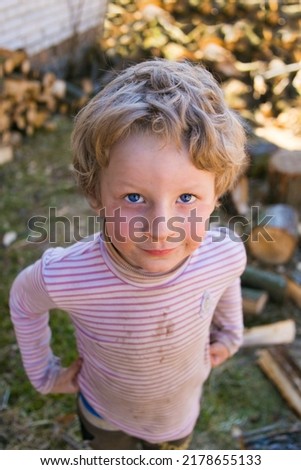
[(174, 100)]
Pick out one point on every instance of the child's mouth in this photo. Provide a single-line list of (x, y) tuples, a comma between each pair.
[(159, 252)]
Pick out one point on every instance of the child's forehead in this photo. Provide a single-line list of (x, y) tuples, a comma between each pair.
[(139, 140), (141, 144), (147, 157)]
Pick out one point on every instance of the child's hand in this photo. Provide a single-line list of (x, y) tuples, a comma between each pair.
[(218, 354), (66, 381)]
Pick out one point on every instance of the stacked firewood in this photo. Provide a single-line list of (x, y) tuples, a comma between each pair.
[(269, 224), (253, 47), (271, 282), (29, 98)]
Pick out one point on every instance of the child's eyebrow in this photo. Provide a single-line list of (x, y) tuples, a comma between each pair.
[(129, 185)]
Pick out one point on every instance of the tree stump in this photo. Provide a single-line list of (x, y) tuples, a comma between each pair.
[(274, 239), (285, 177)]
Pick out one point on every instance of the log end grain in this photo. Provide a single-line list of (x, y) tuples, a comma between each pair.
[(272, 245), (285, 177), (253, 300), (274, 239)]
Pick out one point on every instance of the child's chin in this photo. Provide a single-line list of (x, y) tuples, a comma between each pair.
[(160, 267)]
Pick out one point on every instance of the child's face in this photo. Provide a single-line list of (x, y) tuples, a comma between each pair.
[(156, 202)]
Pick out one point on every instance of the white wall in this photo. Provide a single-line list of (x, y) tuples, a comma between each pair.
[(36, 25)]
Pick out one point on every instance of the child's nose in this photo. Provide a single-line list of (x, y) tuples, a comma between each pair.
[(161, 224)]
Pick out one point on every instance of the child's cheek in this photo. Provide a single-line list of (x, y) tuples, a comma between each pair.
[(197, 224)]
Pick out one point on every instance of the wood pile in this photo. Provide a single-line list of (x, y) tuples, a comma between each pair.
[(273, 277), (271, 231), (254, 47), (29, 99)]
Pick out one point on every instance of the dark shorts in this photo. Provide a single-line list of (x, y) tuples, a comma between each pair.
[(117, 440)]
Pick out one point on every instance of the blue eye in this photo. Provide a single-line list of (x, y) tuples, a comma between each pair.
[(186, 198), (134, 197)]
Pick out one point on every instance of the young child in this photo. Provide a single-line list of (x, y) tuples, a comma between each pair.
[(155, 299)]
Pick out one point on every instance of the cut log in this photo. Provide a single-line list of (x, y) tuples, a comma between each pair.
[(285, 177), (236, 94), (282, 332), (18, 88), (275, 239), (294, 287), (274, 284), (10, 60), (253, 300), (48, 80), (174, 51), (59, 88), (294, 292), (282, 370), (5, 122), (48, 100), (36, 118), (6, 154), (26, 66), (15, 60)]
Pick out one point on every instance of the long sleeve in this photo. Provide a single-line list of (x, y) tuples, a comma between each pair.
[(29, 305), (227, 325)]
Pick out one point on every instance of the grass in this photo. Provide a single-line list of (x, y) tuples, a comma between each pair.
[(238, 397), (236, 394), (38, 177)]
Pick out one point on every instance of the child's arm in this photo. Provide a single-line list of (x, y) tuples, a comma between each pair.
[(227, 325), (29, 305)]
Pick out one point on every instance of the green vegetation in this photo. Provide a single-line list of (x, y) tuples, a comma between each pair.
[(237, 395), (38, 177)]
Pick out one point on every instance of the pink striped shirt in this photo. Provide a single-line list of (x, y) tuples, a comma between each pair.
[(144, 338)]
